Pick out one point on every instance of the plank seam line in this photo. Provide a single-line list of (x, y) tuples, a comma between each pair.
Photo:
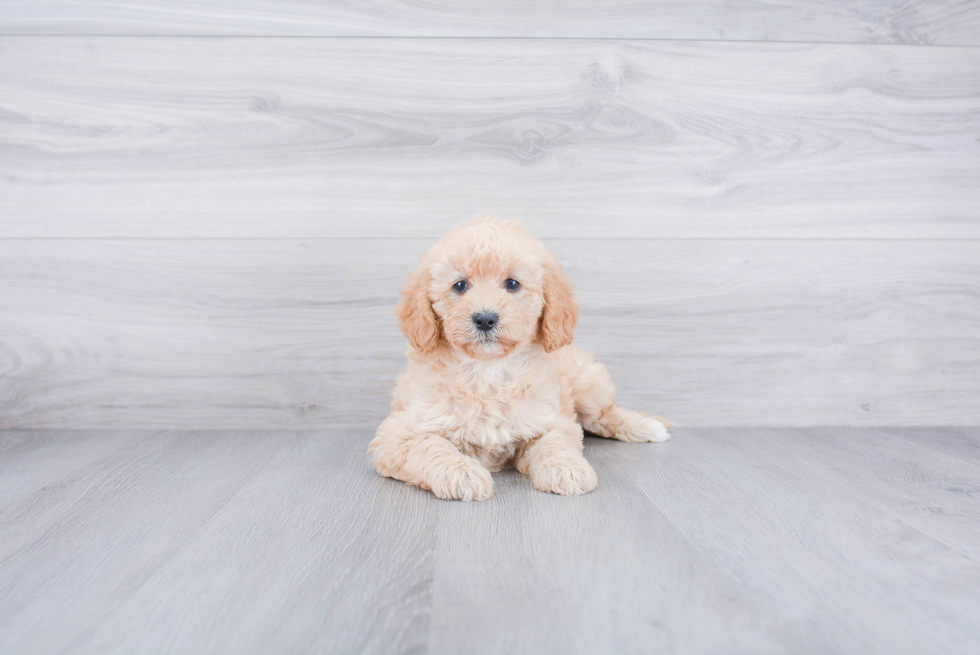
[(484, 38), (543, 238)]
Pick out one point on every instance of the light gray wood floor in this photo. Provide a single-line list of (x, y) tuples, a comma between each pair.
[(745, 540)]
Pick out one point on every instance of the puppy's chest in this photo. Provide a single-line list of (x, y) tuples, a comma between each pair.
[(499, 412)]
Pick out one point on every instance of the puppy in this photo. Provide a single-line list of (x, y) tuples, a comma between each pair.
[(493, 379)]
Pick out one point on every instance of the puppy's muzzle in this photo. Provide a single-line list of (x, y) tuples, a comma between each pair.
[(485, 321)]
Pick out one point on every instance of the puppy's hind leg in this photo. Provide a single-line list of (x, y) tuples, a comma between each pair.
[(616, 422), (595, 405)]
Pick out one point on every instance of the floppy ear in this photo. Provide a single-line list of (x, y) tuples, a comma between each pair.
[(560, 309), (418, 319)]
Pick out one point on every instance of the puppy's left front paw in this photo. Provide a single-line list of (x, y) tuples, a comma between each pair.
[(566, 477)]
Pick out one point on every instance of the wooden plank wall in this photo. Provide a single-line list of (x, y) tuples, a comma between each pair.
[(206, 209)]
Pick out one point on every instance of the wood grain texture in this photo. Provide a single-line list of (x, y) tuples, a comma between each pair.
[(768, 506), (831, 540), (227, 137), (267, 333), (956, 442), (293, 534), (545, 576), (950, 22)]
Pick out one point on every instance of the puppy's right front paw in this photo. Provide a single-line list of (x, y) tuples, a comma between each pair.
[(467, 481)]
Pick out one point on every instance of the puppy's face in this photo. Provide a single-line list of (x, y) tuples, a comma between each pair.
[(488, 299), (486, 289)]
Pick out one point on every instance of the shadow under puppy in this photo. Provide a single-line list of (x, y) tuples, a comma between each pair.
[(493, 379)]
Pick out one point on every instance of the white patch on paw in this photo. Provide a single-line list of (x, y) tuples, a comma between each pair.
[(656, 431), (647, 430)]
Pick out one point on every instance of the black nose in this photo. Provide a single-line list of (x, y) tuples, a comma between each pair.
[(484, 321)]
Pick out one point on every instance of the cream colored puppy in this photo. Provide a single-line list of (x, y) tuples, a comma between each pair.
[(493, 379)]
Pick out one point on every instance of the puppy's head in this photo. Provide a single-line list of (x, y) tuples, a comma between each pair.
[(487, 288)]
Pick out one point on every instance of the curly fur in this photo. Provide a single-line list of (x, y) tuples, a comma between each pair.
[(472, 402)]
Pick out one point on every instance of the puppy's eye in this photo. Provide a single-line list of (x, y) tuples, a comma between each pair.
[(460, 286), (512, 285)]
